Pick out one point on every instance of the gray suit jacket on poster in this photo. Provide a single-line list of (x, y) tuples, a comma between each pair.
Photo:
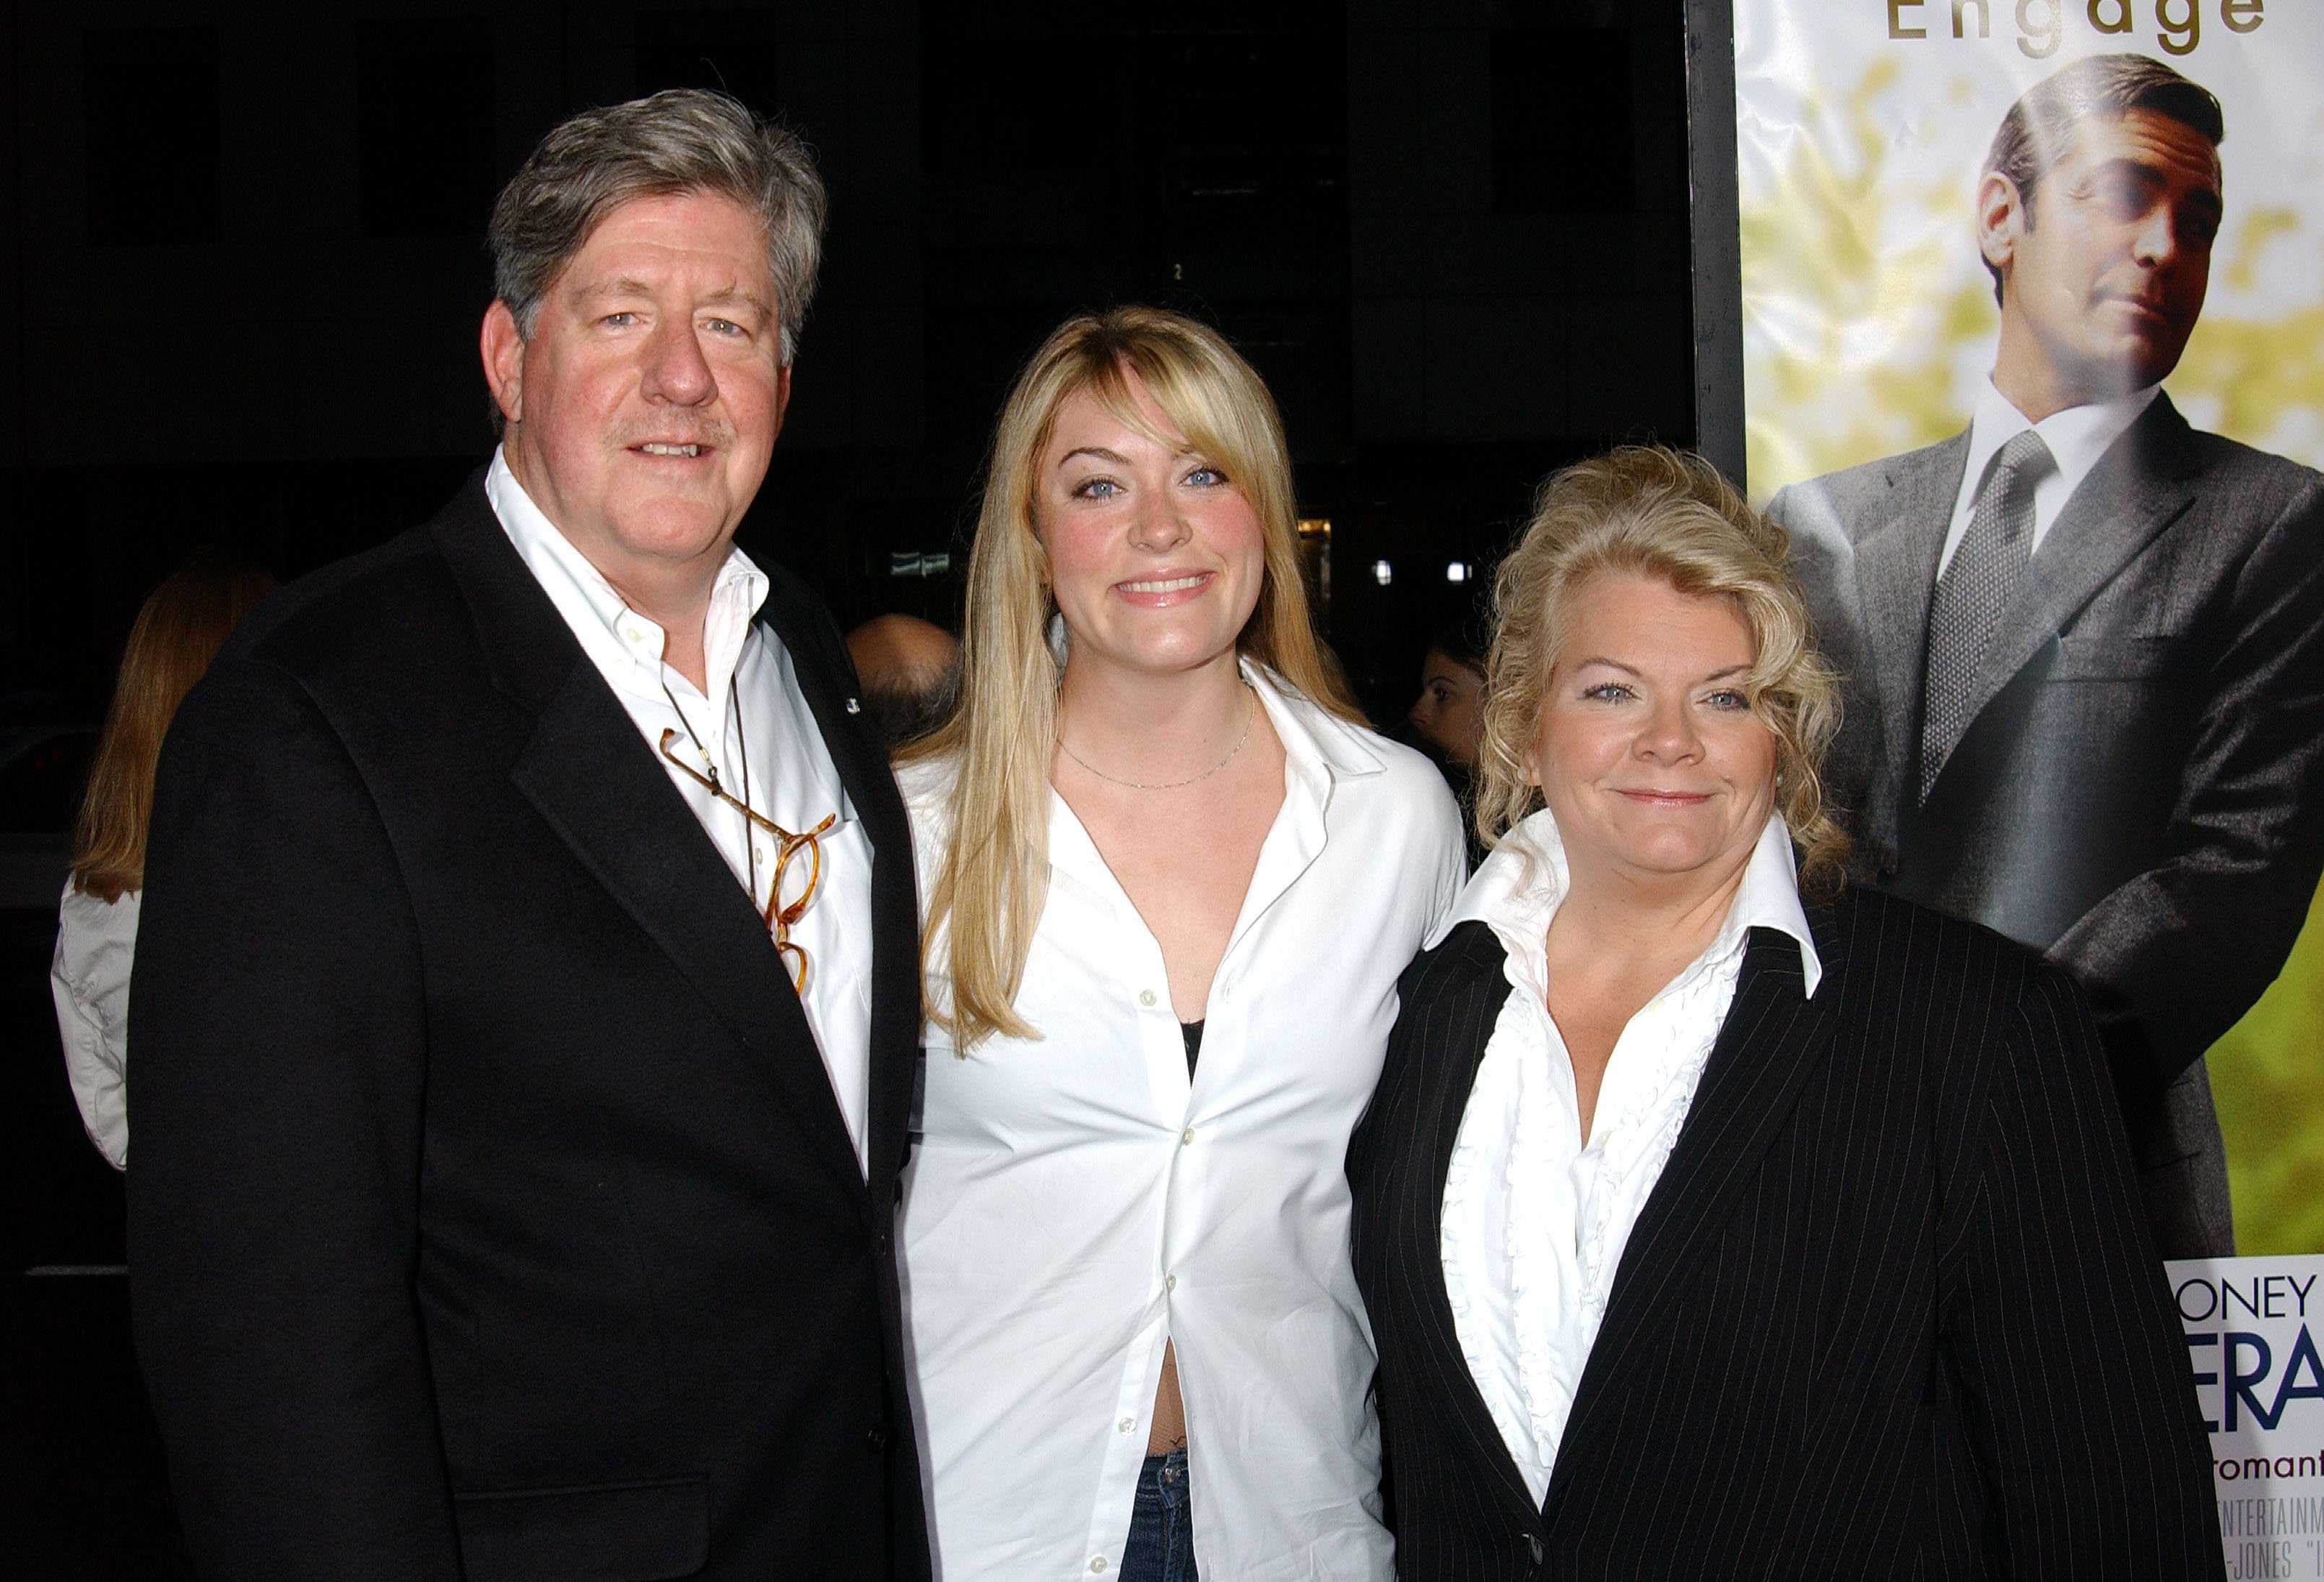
[(2140, 790)]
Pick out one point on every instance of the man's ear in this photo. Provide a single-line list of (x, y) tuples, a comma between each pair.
[(782, 394), (2001, 220), (502, 345)]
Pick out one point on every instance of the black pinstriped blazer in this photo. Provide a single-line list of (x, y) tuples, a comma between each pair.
[(1891, 1309)]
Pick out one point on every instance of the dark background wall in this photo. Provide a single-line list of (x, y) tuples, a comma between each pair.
[(241, 266), (242, 270)]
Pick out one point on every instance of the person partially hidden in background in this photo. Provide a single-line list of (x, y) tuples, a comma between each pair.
[(2083, 642), (907, 673), (528, 989), (179, 630), (1447, 720), (1715, 1219), (1448, 717)]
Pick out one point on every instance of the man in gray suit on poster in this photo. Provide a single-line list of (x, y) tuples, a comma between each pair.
[(2083, 642)]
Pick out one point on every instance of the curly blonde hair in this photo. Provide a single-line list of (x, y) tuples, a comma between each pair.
[(1649, 511)]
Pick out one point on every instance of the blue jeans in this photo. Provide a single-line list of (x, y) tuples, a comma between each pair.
[(1161, 1546)]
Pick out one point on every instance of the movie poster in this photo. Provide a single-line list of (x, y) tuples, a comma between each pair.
[(2032, 301), (2251, 1327)]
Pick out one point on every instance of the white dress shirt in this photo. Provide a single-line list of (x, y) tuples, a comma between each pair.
[(791, 777), (1534, 1220), (2077, 437), (89, 978), (1077, 1201)]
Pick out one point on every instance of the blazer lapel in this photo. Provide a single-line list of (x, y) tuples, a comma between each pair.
[(829, 686), (1773, 1037), (1455, 1386), (2138, 487), (1897, 575), (589, 773)]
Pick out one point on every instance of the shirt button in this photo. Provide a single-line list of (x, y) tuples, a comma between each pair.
[(1126, 1424), (1145, 998), (1169, 1282), (1186, 1137), (1097, 1563)]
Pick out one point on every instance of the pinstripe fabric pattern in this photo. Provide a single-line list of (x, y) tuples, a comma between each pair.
[(1891, 1310)]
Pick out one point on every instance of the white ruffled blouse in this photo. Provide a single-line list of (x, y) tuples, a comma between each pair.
[(1533, 1221)]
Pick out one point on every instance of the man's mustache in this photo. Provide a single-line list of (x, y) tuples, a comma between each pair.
[(707, 432)]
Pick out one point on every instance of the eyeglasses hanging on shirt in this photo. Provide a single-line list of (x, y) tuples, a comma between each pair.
[(777, 914)]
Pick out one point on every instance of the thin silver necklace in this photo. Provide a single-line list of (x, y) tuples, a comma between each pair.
[(1168, 784)]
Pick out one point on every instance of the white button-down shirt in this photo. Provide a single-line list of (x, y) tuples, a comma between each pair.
[(791, 774), (2077, 437), (1077, 1201), (1533, 1221), (89, 979)]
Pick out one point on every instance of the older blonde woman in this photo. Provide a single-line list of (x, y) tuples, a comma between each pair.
[(1709, 1230), (1170, 883)]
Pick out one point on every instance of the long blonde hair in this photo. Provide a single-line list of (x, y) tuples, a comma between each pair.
[(993, 879), (178, 632), (1653, 512)]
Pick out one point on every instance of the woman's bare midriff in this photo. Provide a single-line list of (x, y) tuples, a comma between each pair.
[(1145, 837), (1169, 1430)]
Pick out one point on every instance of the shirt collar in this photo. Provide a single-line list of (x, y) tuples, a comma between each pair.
[(600, 617), (1312, 738), (2077, 437), (1517, 899)]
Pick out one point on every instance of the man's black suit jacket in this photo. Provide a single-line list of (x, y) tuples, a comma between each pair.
[(1890, 1310), (493, 1216), (2139, 794)]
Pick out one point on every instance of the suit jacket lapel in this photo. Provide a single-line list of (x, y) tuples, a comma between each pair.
[(591, 776), (2138, 487), (829, 686), (1897, 575), (1448, 1090), (1773, 1037)]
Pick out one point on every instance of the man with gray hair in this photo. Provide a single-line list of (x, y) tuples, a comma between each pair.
[(528, 992), (2082, 641)]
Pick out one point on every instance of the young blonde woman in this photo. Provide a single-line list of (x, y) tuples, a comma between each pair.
[(1170, 882), (178, 632)]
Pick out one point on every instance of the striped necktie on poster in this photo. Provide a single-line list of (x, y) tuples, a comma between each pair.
[(1972, 593)]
